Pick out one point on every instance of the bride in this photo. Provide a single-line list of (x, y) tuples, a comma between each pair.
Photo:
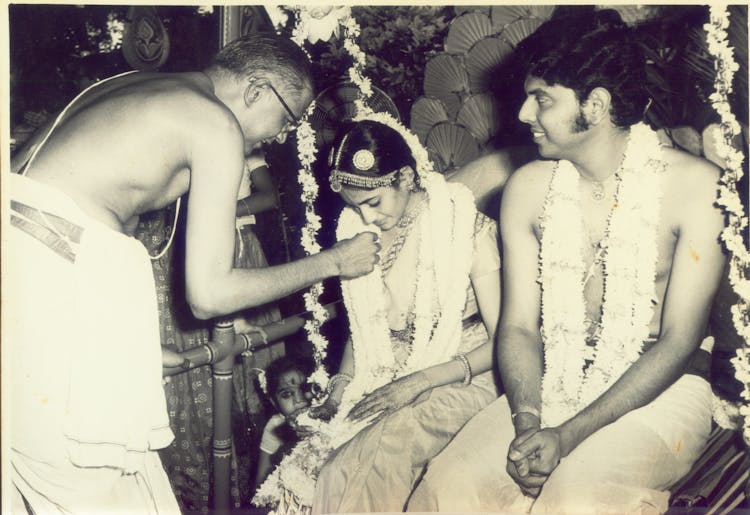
[(417, 365)]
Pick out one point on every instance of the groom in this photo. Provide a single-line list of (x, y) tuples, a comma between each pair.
[(611, 261)]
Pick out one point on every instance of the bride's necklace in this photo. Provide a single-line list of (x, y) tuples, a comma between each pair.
[(402, 230)]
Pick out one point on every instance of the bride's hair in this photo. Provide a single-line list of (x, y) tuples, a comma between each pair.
[(385, 150)]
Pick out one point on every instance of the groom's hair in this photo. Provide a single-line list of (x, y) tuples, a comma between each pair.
[(586, 50)]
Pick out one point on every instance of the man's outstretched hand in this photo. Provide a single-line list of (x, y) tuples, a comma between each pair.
[(356, 256)]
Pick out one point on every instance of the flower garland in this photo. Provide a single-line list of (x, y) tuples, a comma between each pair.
[(739, 261), (307, 150), (629, 274), (319, 23)]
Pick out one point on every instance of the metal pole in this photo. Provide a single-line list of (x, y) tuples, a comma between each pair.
[(222, 416)]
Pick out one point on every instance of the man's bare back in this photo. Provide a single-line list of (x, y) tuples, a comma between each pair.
[(125, 146), (138, 142)]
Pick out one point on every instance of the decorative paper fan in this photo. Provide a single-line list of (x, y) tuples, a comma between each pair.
[(482, 59), (425, 113), (445, 78), (479, 114), (503, 15), (335, 105), (462, 9), (466, 30), (454, 145), (518, 30)]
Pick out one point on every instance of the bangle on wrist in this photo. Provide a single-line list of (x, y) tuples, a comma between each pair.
[(461, 358)]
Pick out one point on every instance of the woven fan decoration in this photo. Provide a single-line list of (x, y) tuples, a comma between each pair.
[(457, 118)]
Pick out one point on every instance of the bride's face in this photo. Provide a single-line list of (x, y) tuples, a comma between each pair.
[(383, 207)]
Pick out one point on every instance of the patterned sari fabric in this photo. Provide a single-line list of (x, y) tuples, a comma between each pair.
[(189, 395)]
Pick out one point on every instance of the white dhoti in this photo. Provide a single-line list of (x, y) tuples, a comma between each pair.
[(625, 467), (87, 408)]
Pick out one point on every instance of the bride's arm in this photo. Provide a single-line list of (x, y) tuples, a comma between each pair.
[(487, 290), (485, 280), (346, 369)]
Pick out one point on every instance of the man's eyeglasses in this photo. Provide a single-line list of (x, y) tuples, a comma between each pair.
[(293, 116)]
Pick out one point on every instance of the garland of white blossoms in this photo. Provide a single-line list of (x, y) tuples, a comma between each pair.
[(739, 262), (314, 23), (306, 152), (629, 279)]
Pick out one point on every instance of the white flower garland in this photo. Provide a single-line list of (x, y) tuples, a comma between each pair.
[(629, 275), (314, 23), (739, 262)]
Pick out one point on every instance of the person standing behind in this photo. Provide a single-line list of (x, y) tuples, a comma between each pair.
[(612, 259), (87, 407)]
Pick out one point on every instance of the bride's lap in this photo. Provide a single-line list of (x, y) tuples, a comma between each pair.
[(376, 470)]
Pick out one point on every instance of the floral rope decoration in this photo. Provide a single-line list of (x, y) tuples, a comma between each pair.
[(356, 71), (306, 151), (630, 255), (319, 24), (739, 261)]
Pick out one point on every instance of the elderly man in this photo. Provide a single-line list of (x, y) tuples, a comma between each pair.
[(611, 261), (87, 406)]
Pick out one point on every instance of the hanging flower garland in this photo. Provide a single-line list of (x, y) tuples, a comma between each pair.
[(313, 24), (630, 255), (306, 151), (739, 261)]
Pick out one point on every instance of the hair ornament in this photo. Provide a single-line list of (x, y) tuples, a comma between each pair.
[(363, 160), (338, 178)]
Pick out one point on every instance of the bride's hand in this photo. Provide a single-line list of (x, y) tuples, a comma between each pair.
[(325, 411), (392, 396)]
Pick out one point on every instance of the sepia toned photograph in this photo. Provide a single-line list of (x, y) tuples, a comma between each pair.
[(316, 259)]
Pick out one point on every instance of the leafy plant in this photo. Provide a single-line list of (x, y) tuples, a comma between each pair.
[(397, 40)]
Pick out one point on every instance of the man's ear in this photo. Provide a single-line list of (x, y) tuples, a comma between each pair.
[(253, 91), (597, 106)]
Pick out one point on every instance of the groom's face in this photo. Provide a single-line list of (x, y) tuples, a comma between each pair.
[(555, 117)]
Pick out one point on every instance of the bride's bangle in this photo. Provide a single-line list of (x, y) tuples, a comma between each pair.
[(461, 358), (338, 378)]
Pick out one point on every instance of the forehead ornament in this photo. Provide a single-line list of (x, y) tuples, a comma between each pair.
[(363, 160)]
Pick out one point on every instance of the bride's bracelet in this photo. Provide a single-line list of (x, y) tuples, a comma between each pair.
[(461, 358), (338, 378)]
